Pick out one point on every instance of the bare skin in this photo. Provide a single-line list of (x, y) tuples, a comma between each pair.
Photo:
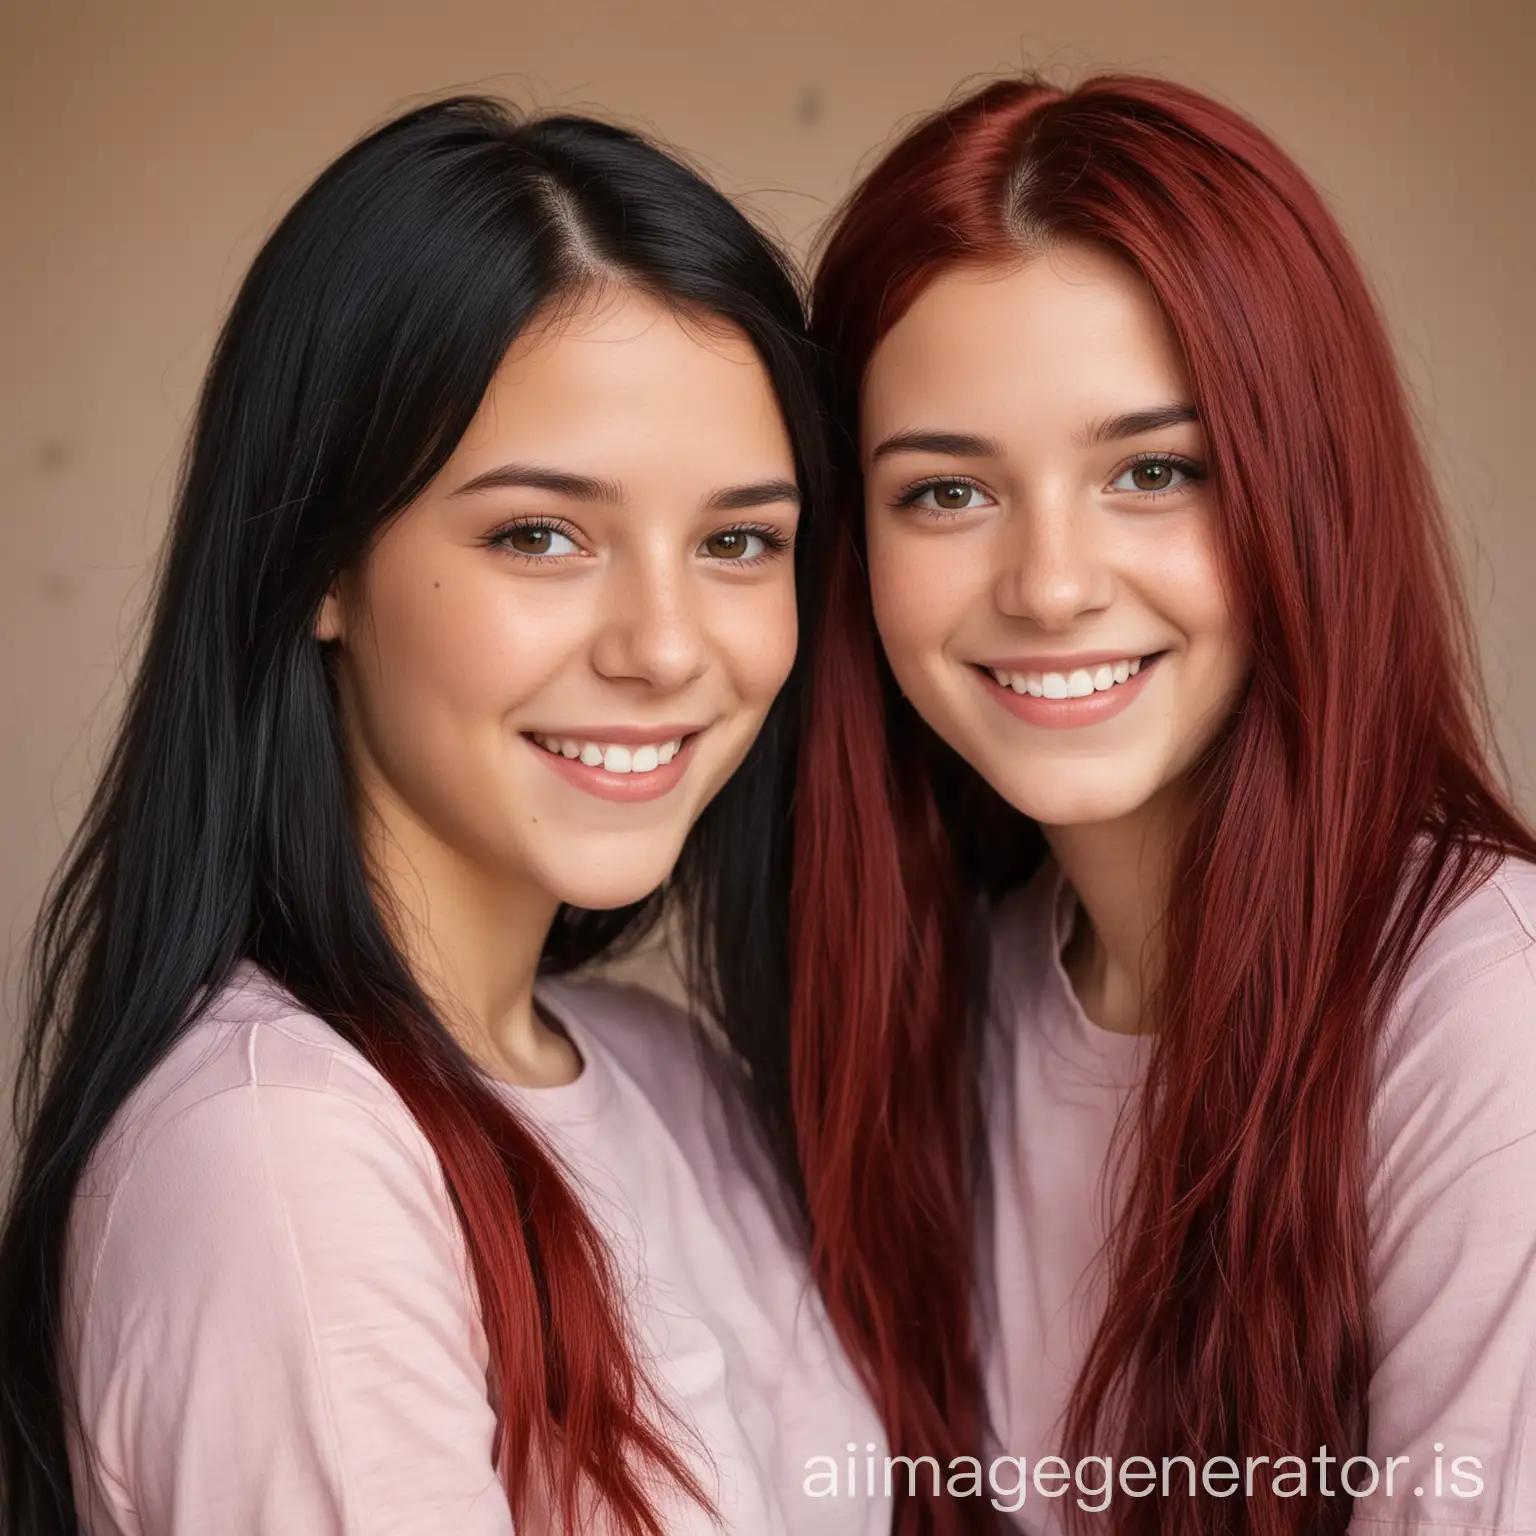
[(605, 559), (1041, 538)]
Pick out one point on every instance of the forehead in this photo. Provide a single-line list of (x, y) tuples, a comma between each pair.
[(615, 372), (1072, 332)]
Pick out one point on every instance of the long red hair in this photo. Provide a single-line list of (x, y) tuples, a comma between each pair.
[(1346, 808)]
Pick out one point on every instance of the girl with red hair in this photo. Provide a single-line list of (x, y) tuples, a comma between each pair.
[(1146, 735)]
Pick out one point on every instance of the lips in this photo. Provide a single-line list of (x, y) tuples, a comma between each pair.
[(1072, 697), (624, 771)]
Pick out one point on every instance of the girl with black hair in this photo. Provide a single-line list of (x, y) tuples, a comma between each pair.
[(470, 651)]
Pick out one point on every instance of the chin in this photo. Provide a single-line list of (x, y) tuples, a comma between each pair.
[(605, 898), (602, 880), (1072, 799)]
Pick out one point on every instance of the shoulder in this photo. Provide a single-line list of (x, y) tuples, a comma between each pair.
[(1453, 1242), (251, 1041), (270, 1317), (1492, 929), (1458, 1053), (1470, 989), (258, 1106)]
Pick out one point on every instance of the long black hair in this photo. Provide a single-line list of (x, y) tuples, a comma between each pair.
[(356, 353)]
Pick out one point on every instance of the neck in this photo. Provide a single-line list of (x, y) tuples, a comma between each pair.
[(1120, 871), (472, 938)]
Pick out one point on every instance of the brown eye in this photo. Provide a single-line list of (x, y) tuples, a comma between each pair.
[(945, 496), (1152, 477), (954, 496), (534, 539), (733, 544)]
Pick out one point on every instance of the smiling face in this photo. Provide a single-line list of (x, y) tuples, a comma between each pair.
[(1041, 545), (556, 656)]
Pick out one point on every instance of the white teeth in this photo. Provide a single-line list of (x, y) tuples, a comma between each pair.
[(1079, 684), (613, 758)]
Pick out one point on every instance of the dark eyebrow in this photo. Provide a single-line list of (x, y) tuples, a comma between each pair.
[(763, 493), (1134, 423), (956, 445), (736, 498), (557, 481)]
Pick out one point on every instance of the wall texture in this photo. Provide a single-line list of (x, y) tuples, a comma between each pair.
[(147, 145)]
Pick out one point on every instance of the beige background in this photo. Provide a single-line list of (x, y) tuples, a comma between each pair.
[(147, 145)]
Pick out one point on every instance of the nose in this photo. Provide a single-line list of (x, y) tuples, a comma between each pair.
[(651, 631), (1053, 568)]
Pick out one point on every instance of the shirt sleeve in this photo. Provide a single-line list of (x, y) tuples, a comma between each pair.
[(1453, 1390), (279, 1336)]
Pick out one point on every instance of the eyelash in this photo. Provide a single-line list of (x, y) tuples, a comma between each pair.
[(774, 540), (914, 493), (499, 539), (1194, 472)]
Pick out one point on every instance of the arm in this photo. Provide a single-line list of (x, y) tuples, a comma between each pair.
[(279, 1334), (1454, 1260)]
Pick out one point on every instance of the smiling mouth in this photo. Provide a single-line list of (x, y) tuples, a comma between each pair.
[(614, 757), (1080, 683)]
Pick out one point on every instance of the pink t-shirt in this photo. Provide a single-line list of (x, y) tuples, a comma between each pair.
[(1452, 1196), (272, 1324)]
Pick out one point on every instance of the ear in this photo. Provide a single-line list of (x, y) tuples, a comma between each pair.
[(328, 621)]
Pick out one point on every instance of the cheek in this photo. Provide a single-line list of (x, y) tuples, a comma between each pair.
[(1184, 572), (921, 587), (451, 647), (1179, 575), (754, 632)]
